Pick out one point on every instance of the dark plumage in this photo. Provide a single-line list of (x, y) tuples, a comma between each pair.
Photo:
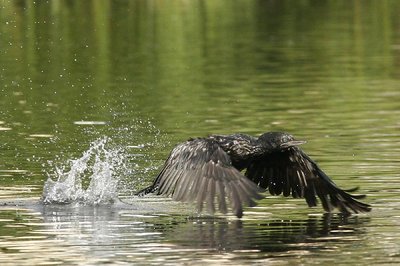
[(207, 169)]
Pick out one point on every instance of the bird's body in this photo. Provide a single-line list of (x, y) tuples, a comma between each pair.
[(240, 148), (205, 170)]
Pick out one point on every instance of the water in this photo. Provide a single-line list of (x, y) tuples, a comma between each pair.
[(94, 94), (68, 186)]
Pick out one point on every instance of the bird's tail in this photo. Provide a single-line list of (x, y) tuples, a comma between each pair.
[(147, 190), (153, 188)]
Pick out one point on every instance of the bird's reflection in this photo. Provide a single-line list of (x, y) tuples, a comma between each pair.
[(273, 235), (206, 233), (117, 233)]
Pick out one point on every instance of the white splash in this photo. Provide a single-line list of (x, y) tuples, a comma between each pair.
[(91, 179)]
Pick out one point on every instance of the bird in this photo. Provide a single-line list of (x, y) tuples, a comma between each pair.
[(225, 172)]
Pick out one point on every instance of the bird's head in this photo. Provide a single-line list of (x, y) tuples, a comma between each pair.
[(278, 141)]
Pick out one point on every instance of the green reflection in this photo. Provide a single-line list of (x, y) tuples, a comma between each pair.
[(325, 71), (17, 224), (153, 73)]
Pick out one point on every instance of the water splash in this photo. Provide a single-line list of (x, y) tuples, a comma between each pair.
[(91, 179)]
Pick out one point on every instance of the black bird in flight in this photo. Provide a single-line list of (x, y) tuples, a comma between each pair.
[(209, 171)]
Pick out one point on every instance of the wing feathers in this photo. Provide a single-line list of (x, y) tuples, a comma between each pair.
[(221, 197), (293, 172), (199, 170)]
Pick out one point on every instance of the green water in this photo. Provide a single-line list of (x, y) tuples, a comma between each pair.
[(150, 74)]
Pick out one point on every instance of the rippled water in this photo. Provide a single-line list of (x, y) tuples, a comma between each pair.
[(94, 94)]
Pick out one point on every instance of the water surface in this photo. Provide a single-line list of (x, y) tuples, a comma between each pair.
[(145, 75)]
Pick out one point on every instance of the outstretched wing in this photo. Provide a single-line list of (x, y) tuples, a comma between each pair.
[(292, 172), (201, 171)]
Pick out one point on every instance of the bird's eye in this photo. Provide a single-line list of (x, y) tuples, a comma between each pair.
[(287, 139)]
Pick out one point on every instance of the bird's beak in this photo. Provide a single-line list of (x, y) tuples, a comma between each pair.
[(292, 143)]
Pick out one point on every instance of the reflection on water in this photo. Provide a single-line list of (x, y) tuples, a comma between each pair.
[(101, 234), (268, 236), (149, 74)]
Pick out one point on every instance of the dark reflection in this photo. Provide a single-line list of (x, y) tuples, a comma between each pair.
[(267, 236), (151, 237), (121, 224)]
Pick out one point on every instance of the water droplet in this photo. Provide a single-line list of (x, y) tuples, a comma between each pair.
[(96, 168)]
